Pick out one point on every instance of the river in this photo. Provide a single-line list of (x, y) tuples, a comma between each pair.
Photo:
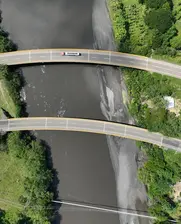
[(91, 168)]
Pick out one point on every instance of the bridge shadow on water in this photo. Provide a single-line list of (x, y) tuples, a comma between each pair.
[(34, 64)]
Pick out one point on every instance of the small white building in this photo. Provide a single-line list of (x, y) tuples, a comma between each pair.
[(170, 103)]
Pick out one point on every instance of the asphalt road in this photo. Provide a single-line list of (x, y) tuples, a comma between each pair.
[(93, 126), (91, 56)]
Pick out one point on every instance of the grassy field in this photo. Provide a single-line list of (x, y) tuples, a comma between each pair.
[(11, 179), (6, 102)]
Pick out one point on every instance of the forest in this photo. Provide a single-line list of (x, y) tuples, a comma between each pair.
[(153, 29), (26, 178)]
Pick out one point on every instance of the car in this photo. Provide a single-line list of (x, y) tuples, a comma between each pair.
[(71, 54)]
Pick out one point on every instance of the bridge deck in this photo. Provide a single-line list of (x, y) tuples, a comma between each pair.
[(92, 126)]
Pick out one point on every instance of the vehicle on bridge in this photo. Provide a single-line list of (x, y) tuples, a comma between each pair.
[(71, 54)]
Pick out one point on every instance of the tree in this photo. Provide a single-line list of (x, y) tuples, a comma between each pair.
[(12, 216), (157, 39), (155, 119), (176, 42), (154, 3), (2, 215), (160, 19)]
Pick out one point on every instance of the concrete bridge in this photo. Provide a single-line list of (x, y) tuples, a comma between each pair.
[(91, 126), (90, 56)]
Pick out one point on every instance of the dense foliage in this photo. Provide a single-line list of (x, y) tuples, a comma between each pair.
[(5, 43), (35, 198), (148, 105), (10, 85), (153, 28), (147, 28), (160, 173)]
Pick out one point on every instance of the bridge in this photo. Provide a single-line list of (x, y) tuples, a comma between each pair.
[(92, 57), (91, 126)]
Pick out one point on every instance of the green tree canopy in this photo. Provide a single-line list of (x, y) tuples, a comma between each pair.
[(160, 19), (154, 3), (176, 42)]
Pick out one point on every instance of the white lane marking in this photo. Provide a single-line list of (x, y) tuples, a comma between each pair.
[(8, 124), (179, 147), (88, 55), (104, 127), (132, 62), (125, 131), (58, 56), (157, 66), (29, 56), (118, 59), (161, 142), (42, 56), (93, 57), (17, 58), (128, 61), (147, 60), (50, 55), (164, 63), (46, 122), (109, 57), (161, 69), (67, 123), (130, 57)]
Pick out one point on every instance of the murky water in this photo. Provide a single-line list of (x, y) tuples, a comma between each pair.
[(82, 160)]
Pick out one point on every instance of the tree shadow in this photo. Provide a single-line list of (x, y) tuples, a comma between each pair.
[(55, 182), (23, 112), (49, 160), (6, 113)]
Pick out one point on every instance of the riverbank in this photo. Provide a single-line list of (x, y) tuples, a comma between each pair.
[(10, 83), (123, 152), (137, 32)]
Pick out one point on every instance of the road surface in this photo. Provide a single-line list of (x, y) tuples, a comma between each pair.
[(92, 126), (92, 57)]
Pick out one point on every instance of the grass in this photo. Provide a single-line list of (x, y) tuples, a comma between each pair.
[(11, 180), (1, 112), (6, 101), (130, 2)]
